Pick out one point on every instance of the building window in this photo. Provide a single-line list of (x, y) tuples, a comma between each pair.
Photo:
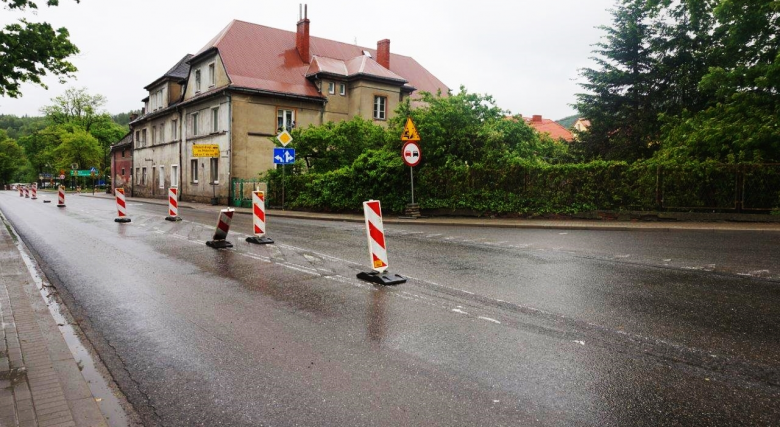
[(138, 138), (285, 120), (214, 170), (123, 171), (162, 132), (123, 152), (215, 119), (197, 81), (137, 176), (174, 175), (212, 77), (162, 176), (380, 106), (194, 123), (143, 137), (174, 129), (194, 171), (154, 134), (342, 89), (331, 88), (143, 176)]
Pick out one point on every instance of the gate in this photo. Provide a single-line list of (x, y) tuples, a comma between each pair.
[(241, 191)]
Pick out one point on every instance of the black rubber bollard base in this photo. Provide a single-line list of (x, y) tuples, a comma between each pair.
[(385, 279), (47, 201), (122, 220), (173, 218), (259, 240), (219, 244), (60, 206)]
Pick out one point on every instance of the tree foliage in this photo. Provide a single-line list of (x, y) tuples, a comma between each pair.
[(11, 158), (30, 50), (688, 79)]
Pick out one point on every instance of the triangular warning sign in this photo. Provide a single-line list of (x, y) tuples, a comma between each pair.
[(410, 132)]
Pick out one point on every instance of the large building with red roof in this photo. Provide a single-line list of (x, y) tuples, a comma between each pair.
[(549, 127), (247, 84)]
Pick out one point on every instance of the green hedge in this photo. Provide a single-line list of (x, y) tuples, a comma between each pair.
[(519, 187)]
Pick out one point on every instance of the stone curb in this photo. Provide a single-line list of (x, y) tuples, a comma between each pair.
[(539, 224)]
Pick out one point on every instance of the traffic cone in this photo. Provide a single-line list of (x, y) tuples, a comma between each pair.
[(258, 220), (121, 206), (377, 247), (173, 205), (61, 197), (219, 240)]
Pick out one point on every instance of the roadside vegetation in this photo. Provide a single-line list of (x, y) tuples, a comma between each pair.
[(683, 105)]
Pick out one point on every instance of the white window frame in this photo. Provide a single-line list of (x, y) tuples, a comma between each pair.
[(174, 130), (175, 176), (197, 80), (154, 135), (162, 132), (281, 113), (215, 119), (342, 89), (380, 108), (194, 171), (162, 177), (143, 176), (138, 176), (214, 169), (212, 75), (331, 88)]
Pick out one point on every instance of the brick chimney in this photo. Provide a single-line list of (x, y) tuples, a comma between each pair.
[(537, 118), (302, 40), (383, 53), (133, 116)]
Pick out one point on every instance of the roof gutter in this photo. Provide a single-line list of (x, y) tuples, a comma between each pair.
[(280, 94)]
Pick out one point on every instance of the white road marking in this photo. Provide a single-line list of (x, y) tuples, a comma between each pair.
[(489, 319)]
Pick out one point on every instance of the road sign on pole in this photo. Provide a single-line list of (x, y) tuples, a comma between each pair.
[(284, 156), (284, 137), (410, 131), (411, 153)]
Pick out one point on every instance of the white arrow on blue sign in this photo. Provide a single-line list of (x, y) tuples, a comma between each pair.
[(284, 156), (93, 170)]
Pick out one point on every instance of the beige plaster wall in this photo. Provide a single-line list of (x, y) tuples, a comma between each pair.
[(221, 76), (254, 123)]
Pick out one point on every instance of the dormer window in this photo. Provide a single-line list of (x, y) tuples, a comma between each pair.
[(197, 81), (342, 89), (212, 77), (331, 88)]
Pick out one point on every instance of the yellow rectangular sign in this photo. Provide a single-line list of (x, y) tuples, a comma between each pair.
[(205, 150)]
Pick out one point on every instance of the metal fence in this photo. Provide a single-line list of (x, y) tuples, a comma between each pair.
[(241, 191)]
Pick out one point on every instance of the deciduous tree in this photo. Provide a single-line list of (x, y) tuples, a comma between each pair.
[(30, 50)]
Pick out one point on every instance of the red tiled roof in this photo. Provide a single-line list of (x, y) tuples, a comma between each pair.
[(550, 127), (264, 58)]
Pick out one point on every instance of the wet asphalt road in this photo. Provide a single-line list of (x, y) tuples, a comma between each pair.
[(495, 326)]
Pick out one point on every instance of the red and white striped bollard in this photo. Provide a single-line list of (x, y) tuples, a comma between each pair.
[(258, 220), (121, 206), (21, 191), (173, 205), (61, 197), (34, 191), (26, 192), (377, 247), (219, 241)]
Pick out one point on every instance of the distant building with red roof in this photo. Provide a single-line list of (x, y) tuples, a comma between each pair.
[(549, 127), (247, 84)]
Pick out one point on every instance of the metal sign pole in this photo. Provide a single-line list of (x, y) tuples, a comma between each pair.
[(283, 168), (411, 169)]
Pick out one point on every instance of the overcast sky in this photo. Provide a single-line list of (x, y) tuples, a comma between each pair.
[(525, 53)]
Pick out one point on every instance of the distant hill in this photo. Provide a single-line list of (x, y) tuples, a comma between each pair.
[(568, 122)]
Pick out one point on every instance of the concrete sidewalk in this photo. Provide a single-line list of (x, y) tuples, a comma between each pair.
[(562, 224), (40, 381)]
